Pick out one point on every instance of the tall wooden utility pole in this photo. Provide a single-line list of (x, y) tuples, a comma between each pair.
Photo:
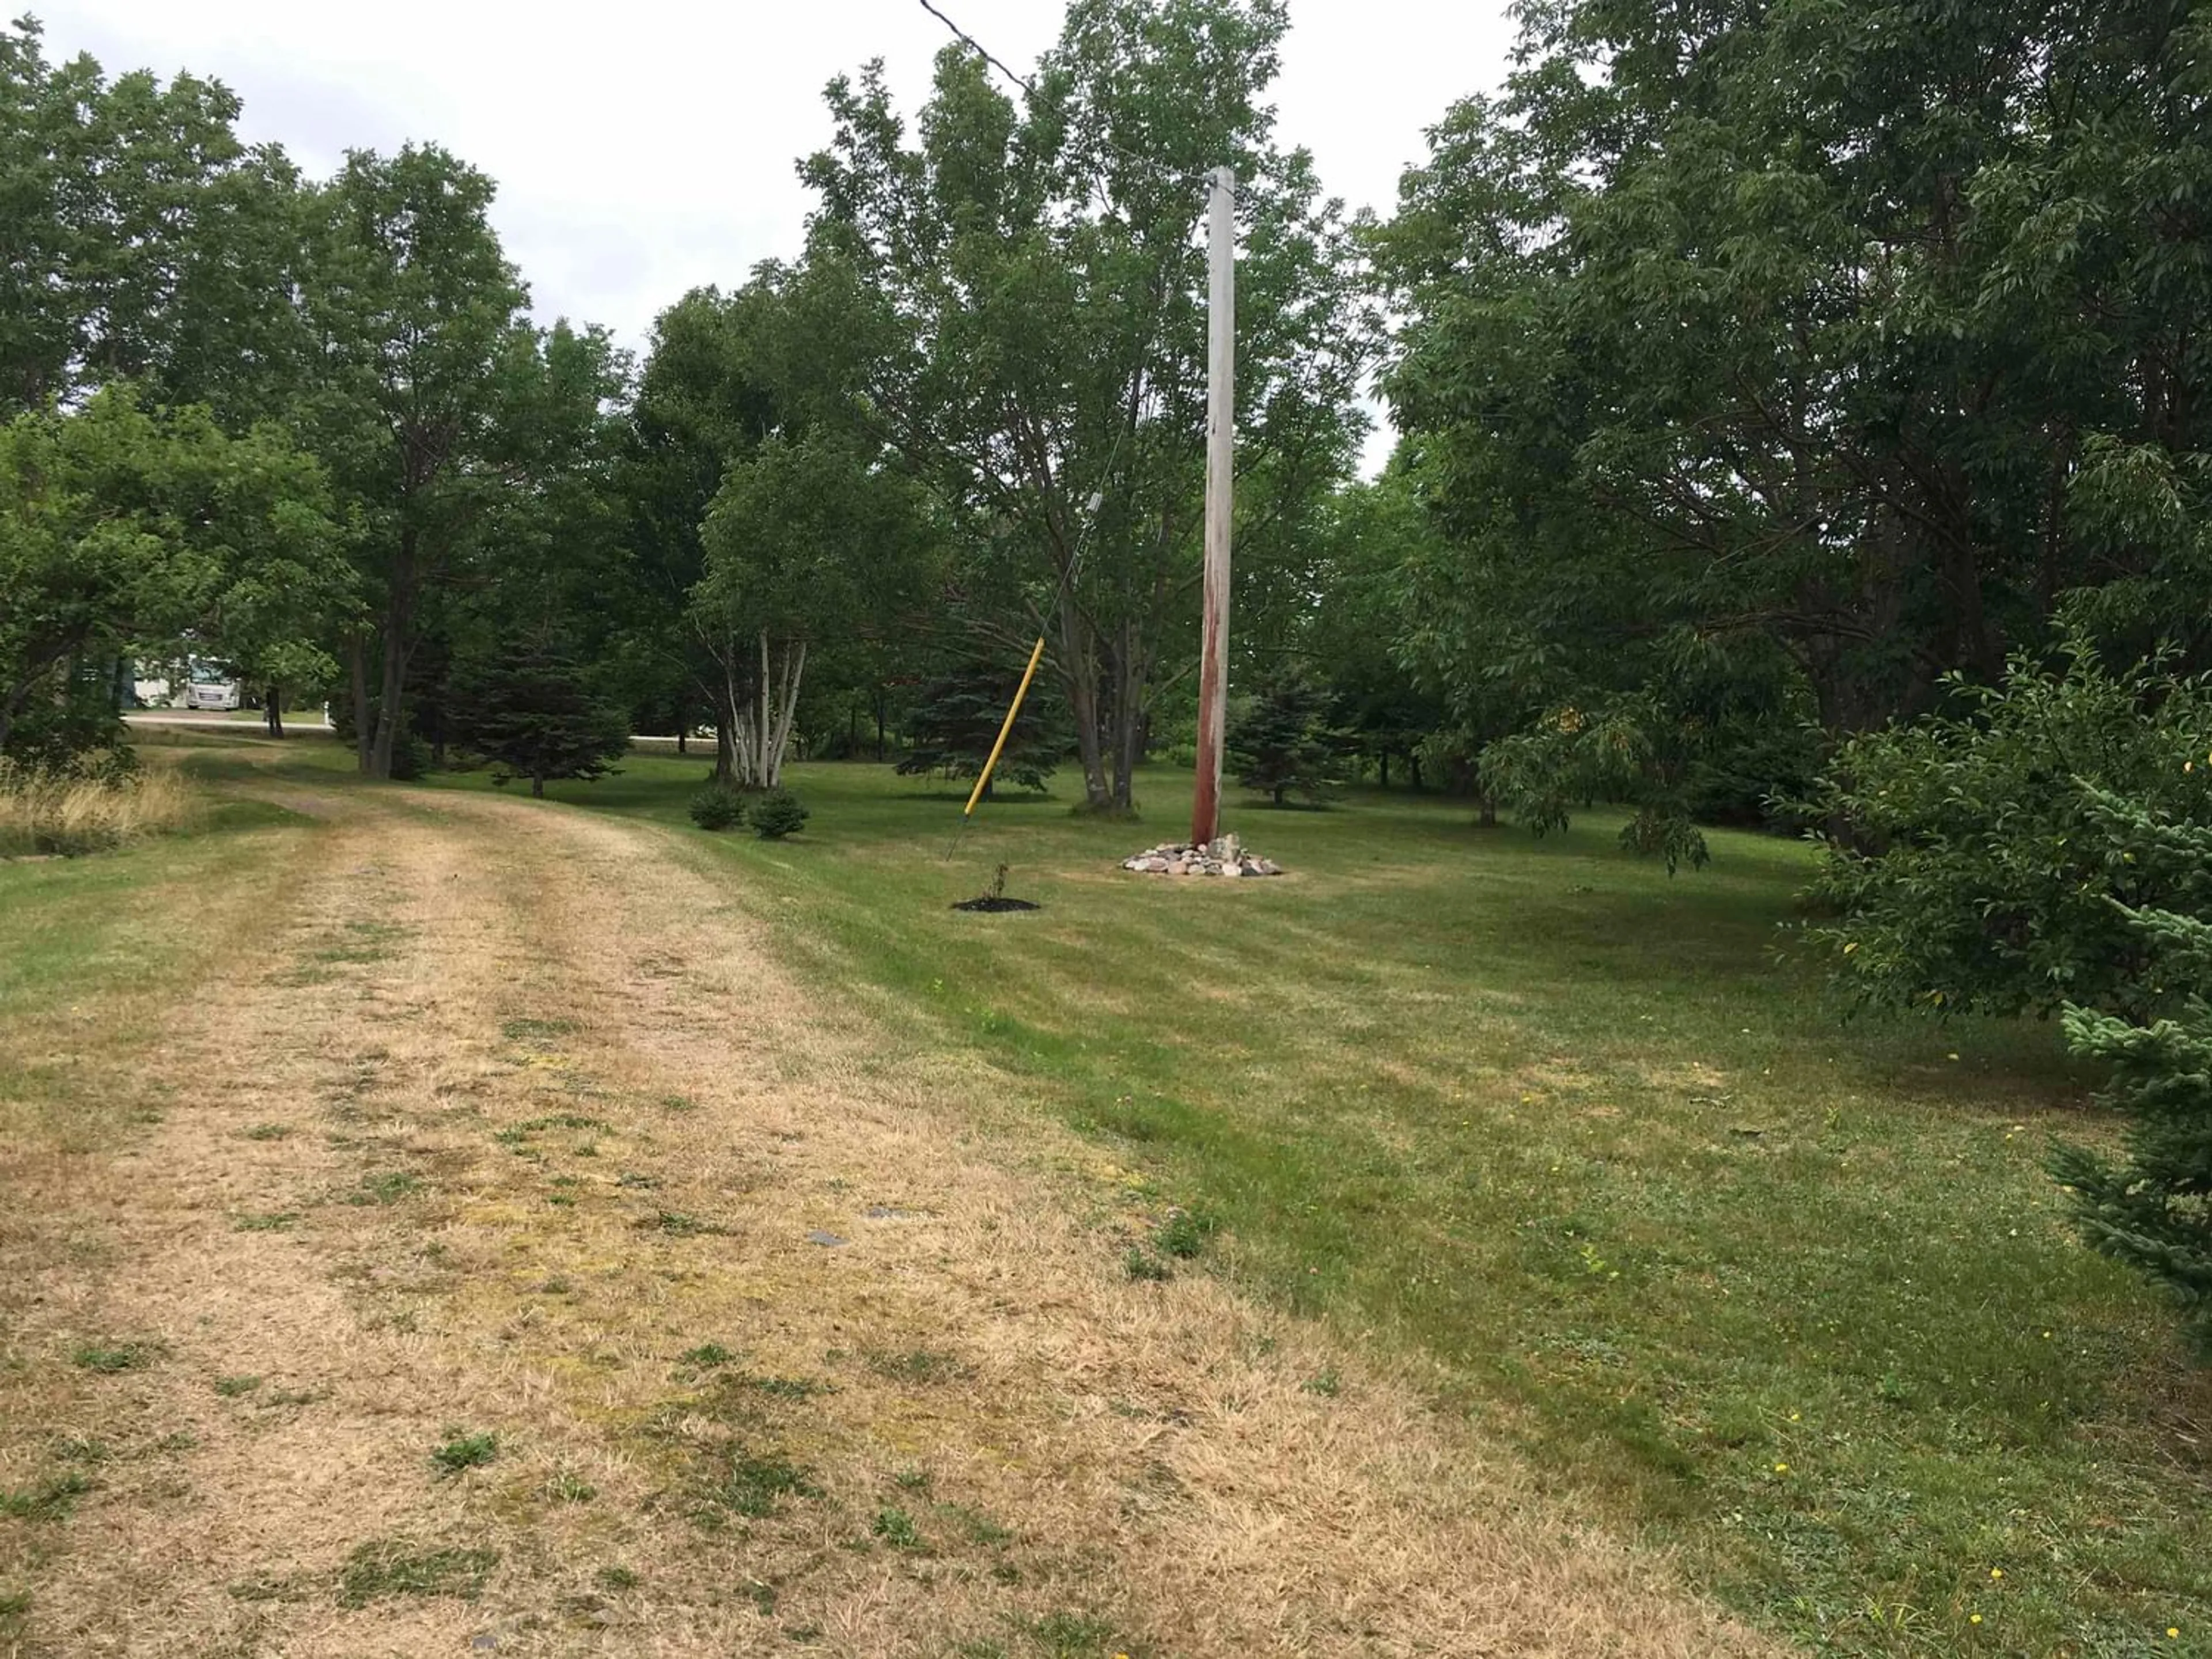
[(1220, 459)]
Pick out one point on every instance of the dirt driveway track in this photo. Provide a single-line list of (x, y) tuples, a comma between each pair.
[(741, 1330)]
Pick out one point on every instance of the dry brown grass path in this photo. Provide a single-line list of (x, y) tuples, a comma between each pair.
[(514, 1127)]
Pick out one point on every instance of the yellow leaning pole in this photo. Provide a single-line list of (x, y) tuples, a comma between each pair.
[(983, 781)]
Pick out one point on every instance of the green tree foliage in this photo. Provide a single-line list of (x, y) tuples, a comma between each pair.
[(701, 403), (532, 711), (1012, 299), (1356, 613), (807, 538), (1280, 741), (955, 719), (122, 527), (1855, 337), (1977, 865), (145, 241), (2153, 1208), (420, 322)]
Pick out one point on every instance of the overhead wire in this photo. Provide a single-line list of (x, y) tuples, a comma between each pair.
[(1204, 175)]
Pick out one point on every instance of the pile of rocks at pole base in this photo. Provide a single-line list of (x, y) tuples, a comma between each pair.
[(1224, 857)]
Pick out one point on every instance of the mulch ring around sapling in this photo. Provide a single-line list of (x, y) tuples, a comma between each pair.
[(996, 899)]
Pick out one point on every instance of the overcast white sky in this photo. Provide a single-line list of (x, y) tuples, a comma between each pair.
[(644, 148)]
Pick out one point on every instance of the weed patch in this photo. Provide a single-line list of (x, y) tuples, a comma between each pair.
[(464, 1452), (1142, 1265), (51, 1499), (747, 1484), (1184, 1233), (1072, 1636), (387, 1567), (517, 1134), (678, 1224), (386, 1187), (974, 1526), (536, 1030), (916, 1367), (792, 1388), (272, 1587), (896, 1528), (108, 1358)]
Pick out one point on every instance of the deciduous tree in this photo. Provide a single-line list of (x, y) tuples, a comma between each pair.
[(1013, 298)]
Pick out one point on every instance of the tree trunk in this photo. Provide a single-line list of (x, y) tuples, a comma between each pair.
[(683, 731), (272, 710), (740, 723), (1127, 717), (358, 667), (398, 627), (787, 711), (387, 713), (1078, 677), (879, 723), (536, 788), (1385, 759), (760, 767)]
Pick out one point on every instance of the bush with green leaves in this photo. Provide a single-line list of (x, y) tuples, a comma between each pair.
[(717, 805), (1627, 749), (2152, 1207), (776, 813), (1973, 862)]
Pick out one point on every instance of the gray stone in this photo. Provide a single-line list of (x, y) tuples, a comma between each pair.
[(818, 1237)]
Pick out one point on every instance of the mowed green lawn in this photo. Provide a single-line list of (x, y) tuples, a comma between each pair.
[(1788, 1292)]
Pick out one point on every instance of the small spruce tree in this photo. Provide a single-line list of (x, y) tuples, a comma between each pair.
[(2152, 1207), (531, 712), (1282, 741), (954, 719)]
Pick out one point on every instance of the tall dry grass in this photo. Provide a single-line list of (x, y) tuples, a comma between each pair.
[(88, 811)]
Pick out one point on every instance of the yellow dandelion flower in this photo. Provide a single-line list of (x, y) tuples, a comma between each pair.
[(1782, 1468), (2173, 1631), (1996, 1572), (1975, 1620)]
